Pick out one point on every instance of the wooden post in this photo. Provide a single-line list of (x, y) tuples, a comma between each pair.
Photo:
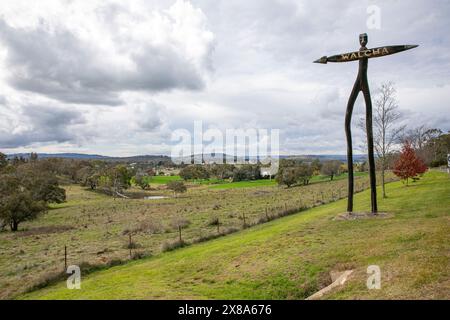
[(243, 216), (179, 231), (65, 258), (129, 246)]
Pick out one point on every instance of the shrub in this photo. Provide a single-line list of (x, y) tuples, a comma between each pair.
[(172, 245), (132, 245), (176, 186), (214, 221), (151, 227)]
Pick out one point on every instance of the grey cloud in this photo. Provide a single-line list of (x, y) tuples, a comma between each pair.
[(256, 40), (150, 116), (59, 65), (42, 124)]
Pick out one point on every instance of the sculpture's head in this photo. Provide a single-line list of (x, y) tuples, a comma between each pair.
[(363, 39)]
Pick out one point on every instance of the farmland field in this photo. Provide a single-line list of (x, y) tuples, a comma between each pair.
[(96, 228), (291, 257), (164, 179), (224, 184)]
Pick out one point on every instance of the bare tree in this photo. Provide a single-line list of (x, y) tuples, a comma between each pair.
[(416, 136), (386, 131)]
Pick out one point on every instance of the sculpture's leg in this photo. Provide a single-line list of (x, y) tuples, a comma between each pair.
[(348, 133), (369, 128)]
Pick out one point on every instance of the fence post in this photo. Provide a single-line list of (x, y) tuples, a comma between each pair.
[(65, 258), (129, 245)]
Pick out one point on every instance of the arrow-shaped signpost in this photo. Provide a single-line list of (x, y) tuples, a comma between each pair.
[(361, 84)]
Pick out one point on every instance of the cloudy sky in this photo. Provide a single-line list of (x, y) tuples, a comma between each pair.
[(118, 77)]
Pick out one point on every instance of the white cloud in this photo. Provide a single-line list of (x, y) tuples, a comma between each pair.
[(230, 63), (89, 54)]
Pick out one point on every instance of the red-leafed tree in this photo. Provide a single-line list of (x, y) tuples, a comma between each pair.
[(408, 165)]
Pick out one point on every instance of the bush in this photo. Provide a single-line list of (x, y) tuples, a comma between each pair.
[(172, 245), (194, 172), (214, 221), (140, 255), (132, 245), (150, 227), (85, 267), (176, 186), (247, 172), (213, 236)]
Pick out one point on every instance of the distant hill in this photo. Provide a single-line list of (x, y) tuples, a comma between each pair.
[(153, 158), (60, 155), (82, 156), (340, 157)]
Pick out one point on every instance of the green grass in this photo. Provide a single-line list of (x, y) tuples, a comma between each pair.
[(290, 258), (164, 179), (244, 184), (224, 184), (322, 178), (95, 227), (267, 182)]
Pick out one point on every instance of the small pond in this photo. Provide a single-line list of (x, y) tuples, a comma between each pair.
[(155, 198)]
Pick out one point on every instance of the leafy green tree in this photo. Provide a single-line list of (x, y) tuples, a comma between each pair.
[(18, 207), (176, 186), (435, 148), (93, 180), (40, 183), (304, 173), (194, 172), (331, 168), (142, 181), (287, 176), (222, 171), (25, 192), (316, 166), (143, 178), (247, 172), (115, 179), (294, 171)]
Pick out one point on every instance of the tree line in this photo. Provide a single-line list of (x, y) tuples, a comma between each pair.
[(26, 189)]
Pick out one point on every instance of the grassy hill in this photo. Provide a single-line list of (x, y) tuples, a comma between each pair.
[(95, 227), (290, 258)]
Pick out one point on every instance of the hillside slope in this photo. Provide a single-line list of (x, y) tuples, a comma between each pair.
[(291, 258)]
